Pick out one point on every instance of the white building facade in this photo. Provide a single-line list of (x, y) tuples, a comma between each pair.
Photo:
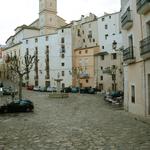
[(135, 21)]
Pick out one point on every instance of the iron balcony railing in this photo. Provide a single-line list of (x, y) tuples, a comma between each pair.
[(145, 45), (126, 17), (141, 3), (128, 53)]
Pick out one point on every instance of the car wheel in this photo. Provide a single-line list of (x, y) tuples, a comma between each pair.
[(28, 109)]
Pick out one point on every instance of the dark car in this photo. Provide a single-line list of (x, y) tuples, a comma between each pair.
[(17, 106), (91, 91), (84, 90), (74, 89), (67, 89), (117, 94)]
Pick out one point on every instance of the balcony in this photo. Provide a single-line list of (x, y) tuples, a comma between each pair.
[(145, 48), (126, 20), (84, 75), (143, 6), (128, 55)]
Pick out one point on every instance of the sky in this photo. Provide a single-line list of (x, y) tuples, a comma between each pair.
[(14, 13)]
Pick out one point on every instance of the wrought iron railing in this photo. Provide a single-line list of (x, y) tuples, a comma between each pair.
[(128, 53), (145, 45)]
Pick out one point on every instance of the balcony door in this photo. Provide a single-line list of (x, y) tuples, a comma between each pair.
[(130, 40), (148, 28), (149, 94)]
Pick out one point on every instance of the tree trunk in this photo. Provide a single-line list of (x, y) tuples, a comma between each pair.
[(20, 86)]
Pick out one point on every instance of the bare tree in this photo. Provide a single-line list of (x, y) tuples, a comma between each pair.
[(20, 67)]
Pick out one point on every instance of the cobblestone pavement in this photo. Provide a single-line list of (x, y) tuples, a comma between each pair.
[(80, 122)]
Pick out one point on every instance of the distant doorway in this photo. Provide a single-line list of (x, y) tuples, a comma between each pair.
[(149, 94)]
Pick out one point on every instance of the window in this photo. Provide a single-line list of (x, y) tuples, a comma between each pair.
[(62, 30), (106, 36), (101, 77), (106, 26), (132, 93), (109, 17), (114, 56), (46, 38), (63, 85), (103, 47), (36, 48), (79, 52), (62, 40), (86, 51), (103, 19), (114, 87), (102, 57), (87, 80), (63, 73), (93, 40), (83, 31), (113, 34), (113, 66), (27, 51), (83, 40), (62, 64), (148, 28), (62, 48), (36, 40), (47, 48), (79, 32), (26, 41), (113, 77), (62, 55), (90, 34), (101, 68)]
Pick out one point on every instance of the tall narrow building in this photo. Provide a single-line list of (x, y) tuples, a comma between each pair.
[(47, 16)]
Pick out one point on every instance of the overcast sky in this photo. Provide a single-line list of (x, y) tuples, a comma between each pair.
[(14, 13)]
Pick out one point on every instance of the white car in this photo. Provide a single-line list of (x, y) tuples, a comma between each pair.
[(36, 88)]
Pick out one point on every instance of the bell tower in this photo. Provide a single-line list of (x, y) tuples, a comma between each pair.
[(47, 16)]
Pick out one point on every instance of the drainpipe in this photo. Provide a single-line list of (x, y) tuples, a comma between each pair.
[(141, 24)]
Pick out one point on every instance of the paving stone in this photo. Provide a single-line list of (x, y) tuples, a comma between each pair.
[(81, 122)]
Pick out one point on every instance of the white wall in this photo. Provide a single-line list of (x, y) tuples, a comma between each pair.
[(113, 23)]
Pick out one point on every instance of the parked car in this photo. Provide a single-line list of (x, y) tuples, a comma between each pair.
[(87, 90), (36, 88), (115, 97), (30, 87), (42, 89), (67, 90), (51, 89), (91, 91), (17, 106), (74, 89)]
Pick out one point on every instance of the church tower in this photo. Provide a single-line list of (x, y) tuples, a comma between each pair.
[(47, 16)]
